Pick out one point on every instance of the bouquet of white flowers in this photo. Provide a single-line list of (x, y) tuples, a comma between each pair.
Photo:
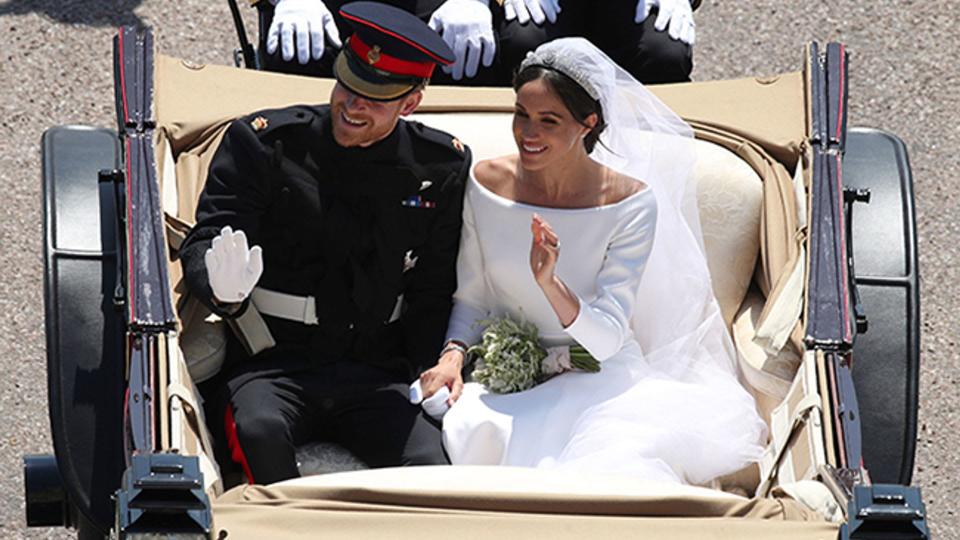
[(511, 359)]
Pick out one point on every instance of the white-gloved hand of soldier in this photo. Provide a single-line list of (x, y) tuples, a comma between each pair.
[(312, 24), (467, 28), (678, 14), (538, 10), (232, 268)]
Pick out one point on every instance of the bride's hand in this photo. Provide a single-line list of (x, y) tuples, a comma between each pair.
[(445, 373), (544, 250)]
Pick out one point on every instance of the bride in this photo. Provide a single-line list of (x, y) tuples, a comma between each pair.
[(591, 233)]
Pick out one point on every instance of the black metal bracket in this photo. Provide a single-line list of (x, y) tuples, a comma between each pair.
[(852, 196), (117, 179), (246, 52), (840, 481), (163, 495), (886, 511)]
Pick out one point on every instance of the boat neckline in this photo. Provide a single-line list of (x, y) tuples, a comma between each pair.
[(510, 202)]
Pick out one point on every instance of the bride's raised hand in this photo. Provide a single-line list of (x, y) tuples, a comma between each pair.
[(544, 250)]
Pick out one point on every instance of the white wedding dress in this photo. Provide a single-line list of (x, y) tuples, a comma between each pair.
[(633, 417)]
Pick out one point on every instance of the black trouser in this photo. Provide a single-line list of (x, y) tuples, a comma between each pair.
[(650, 56), (362, 408)]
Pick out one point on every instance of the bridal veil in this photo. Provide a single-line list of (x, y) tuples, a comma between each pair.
[(677, 321)]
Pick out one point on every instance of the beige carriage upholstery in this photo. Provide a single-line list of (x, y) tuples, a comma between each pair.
[(729, 194), (760, 121), (472, 502), (747, 199)]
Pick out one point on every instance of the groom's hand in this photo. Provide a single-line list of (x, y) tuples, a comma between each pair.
[(445, 373)]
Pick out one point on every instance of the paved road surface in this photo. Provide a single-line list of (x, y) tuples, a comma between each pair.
[(55, 68)]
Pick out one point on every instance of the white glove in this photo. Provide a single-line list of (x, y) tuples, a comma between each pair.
[(312, 22), (232, 268), (538, 10), (677, 12), (436, 405), (467, 27)]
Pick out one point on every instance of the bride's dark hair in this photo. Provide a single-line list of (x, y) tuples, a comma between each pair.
[(576, 99)]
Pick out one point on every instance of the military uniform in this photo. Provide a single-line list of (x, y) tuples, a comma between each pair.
[(355, 228), (365, 238)]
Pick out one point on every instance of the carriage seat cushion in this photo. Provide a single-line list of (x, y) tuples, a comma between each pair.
[(729, 194)]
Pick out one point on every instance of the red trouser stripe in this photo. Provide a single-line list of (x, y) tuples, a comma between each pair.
[(233, 442)]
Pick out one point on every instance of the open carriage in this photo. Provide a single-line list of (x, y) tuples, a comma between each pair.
[(828, 348)]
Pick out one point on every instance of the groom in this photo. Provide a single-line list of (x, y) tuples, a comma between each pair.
[(354, 217)]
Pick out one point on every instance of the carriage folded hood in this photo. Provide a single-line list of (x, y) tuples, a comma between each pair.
[(474, 502), (769, 111)]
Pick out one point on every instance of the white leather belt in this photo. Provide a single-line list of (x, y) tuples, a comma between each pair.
[(285, 306), (298, 308)]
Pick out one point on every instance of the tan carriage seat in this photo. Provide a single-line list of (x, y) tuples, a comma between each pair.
[(744, 188), (729, 194)]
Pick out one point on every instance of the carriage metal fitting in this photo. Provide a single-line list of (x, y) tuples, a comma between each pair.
[(886, 511), (162, 496)]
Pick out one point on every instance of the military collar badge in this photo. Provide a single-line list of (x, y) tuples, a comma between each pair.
[(259, 123), (457, 144)]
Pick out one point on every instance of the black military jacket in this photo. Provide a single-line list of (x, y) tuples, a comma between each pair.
[(353, 227)]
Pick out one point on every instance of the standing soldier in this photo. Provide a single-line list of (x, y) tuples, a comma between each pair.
[(354, 215), (651, 39), (304, 36)]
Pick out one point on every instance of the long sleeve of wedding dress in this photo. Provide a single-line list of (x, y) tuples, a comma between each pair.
[(470, 299), (603, 324)]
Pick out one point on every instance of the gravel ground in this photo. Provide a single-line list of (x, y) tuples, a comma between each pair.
[(55, 68)]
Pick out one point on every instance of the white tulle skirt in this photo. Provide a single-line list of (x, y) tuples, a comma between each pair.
[(623, 420)]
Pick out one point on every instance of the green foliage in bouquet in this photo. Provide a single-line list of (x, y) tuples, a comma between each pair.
[(508, 356), (511, 359)]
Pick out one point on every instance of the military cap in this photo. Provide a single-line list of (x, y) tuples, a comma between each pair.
[(391, 52)]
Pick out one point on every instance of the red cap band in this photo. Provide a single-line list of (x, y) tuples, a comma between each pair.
[(381, 60)]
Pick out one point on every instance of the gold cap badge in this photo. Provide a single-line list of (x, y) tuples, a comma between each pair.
[(259, 123), (373, 55)]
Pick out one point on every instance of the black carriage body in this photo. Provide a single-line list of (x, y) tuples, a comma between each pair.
[(886, 358), (84, 326)]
